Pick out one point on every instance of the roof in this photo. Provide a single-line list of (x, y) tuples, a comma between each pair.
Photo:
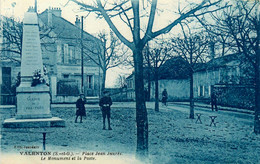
[(64, 28), (130, 76), (223, 61), (178, 68), (175, 68)]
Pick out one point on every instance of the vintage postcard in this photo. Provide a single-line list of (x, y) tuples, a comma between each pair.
[(129, 81)]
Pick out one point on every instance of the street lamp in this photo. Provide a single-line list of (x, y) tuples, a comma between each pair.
[(82, 54), (82, 58)]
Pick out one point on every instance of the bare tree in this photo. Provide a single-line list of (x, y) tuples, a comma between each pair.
[(12, 35), (242, 23), (192, 47), (155, 57), (121, 81), (108, 55), (130, 13)]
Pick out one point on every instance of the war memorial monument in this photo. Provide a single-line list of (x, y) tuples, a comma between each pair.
[(33, 95)]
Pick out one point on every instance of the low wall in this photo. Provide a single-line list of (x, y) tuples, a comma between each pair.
[(72, 99), (178, 90), (238, 96)]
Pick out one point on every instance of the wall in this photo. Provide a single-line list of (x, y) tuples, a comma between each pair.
[(178, 90)]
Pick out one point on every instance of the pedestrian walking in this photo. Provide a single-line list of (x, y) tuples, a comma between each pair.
[(214, 101), (105, 102), (80, 106), (164, 97)]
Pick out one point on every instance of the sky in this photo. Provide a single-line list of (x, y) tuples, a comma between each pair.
[(92, 25)]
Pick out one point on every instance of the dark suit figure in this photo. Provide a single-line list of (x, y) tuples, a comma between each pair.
[(105, 102), (80, 105), (164, 97), (214, 101)]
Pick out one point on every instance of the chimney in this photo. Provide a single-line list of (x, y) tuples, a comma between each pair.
[(35, 5), (56, 11), (31, 9), (212, 49), (49, 17), (77, 22)]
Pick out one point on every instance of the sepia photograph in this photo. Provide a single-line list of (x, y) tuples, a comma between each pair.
[(130, 81)]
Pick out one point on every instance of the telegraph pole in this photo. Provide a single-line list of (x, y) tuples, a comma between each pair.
[(82, 57)]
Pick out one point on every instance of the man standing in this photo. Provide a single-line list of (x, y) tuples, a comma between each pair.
[(80, 105), (214, 101), (105, 103), (164, 97)]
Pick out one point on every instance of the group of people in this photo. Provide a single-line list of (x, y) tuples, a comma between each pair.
[(105, 102), (213, 99)]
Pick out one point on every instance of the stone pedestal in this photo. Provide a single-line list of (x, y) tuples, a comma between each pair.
[(33, 109), (33, 102)]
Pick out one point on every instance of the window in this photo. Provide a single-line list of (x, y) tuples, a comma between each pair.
[(201, 91), (59, 54), (66, 53), (90, 81), (65, 76), (77, 53), (71, 54)]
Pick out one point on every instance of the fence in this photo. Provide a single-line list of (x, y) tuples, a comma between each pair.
[(239, 96), (119, 95), (7, 99)]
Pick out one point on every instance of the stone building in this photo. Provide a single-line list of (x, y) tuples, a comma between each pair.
[(228, 74), (64, 57), (130, 82), (229, 77), (173, 76), (222, 70), (61, 50)]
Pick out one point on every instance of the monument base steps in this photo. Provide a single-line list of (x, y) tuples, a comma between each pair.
[(33, 123)]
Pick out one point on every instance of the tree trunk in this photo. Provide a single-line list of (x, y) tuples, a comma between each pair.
[(149, 87), (191, 97), (257, 89), (257, 103), (141, 112), (149, 76), (156, 107), (103, 82)]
